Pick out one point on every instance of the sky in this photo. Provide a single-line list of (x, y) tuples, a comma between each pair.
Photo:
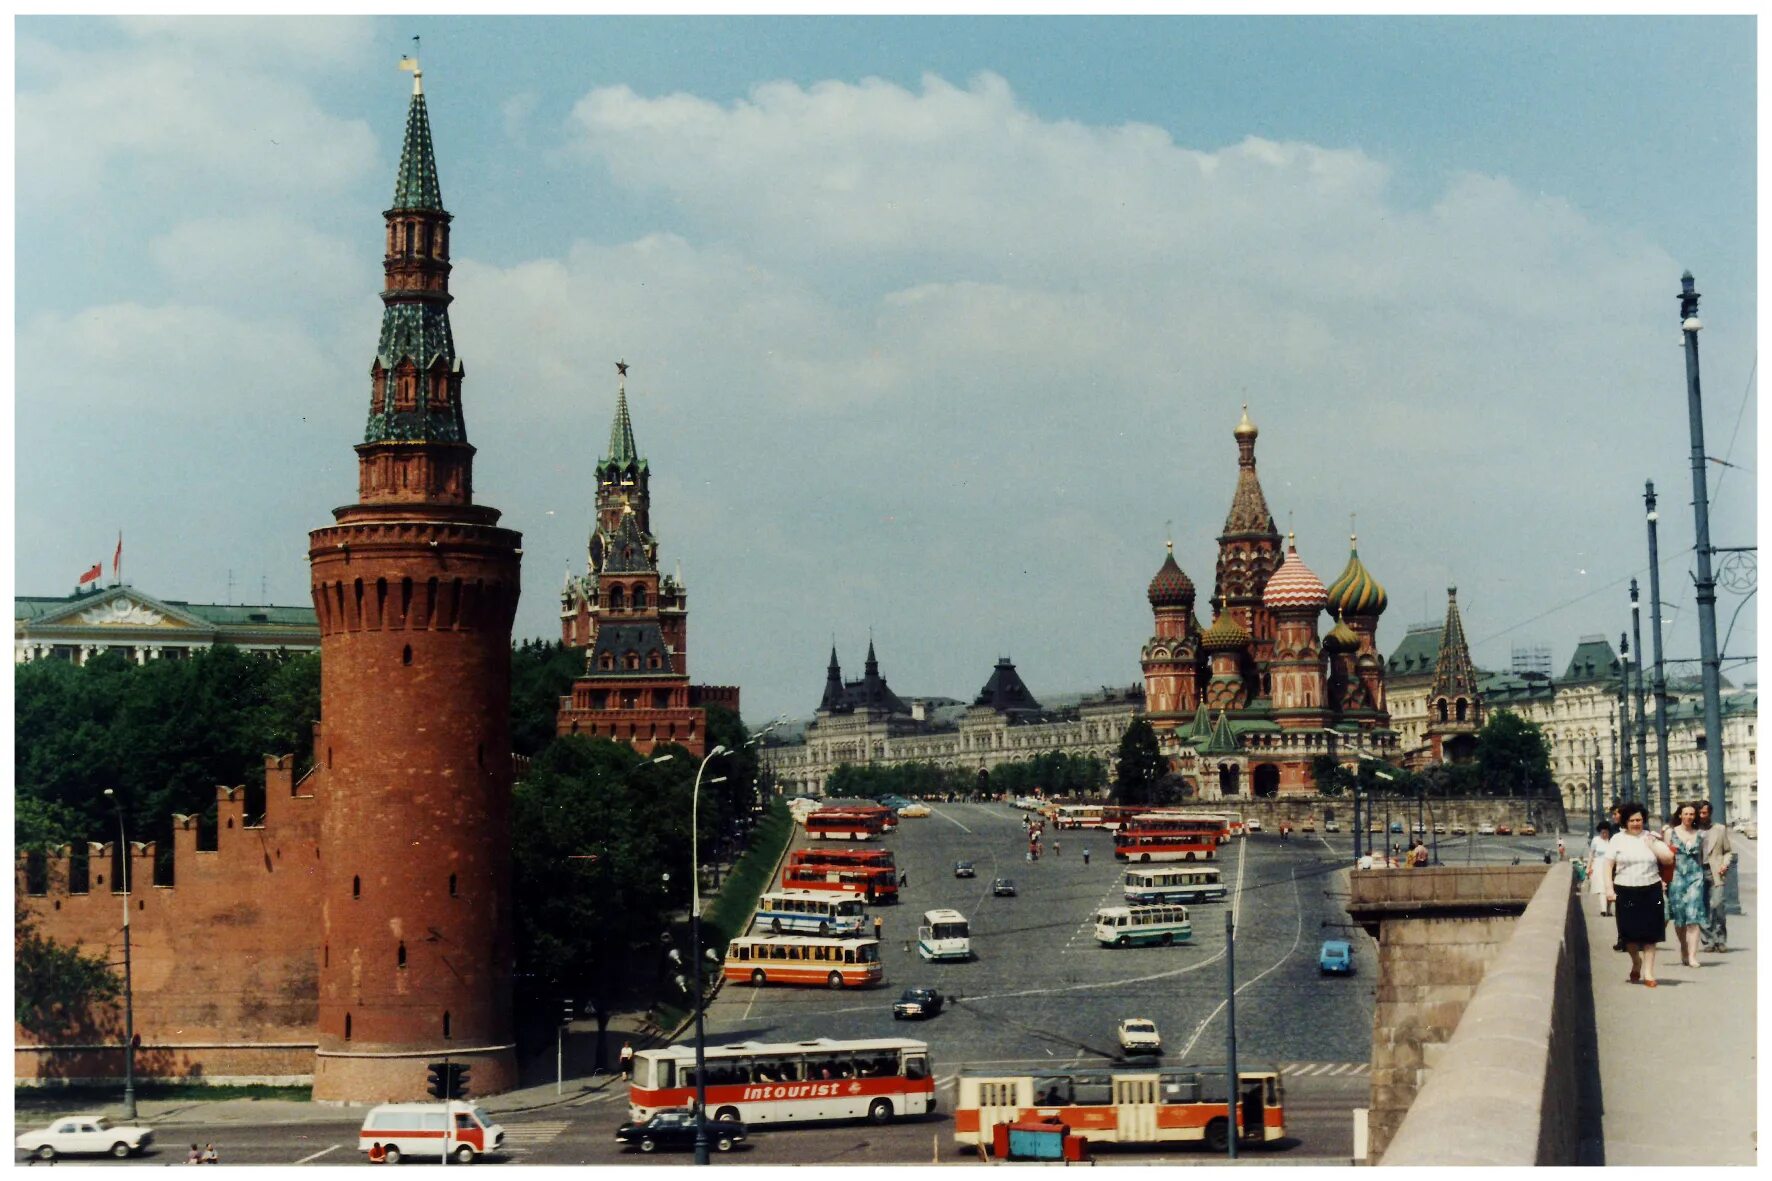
[(937, 328)]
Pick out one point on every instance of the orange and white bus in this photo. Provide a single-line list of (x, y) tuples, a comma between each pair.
[(1121, 1105), (1080, 816), (871, 856), (871, 883), (844, 824), (1170, 836), (768, 1083), (831, 962)]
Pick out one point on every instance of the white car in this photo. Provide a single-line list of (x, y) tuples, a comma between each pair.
[(1251, 825), (914, 811), (93, 1135), (1138, 1035), (1485, 830)]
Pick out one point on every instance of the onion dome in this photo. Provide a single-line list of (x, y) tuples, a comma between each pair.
[(1356, 592), (1225, 634), (1293, 587), (1341, 638), (1171, 587), (1245, 428)]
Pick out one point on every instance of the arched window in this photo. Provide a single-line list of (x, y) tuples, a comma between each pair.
[(615, 598), (356, 887), (639, 597), (406, 655), (446, 1023), (452, 885), (347, 1027), (1462, 705)]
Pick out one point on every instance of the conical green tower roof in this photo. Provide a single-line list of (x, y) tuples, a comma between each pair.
[(415, 187)]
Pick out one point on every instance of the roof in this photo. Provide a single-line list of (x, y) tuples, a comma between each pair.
[(1593, 660), (125, 606), (1355, 592), (1004, 690), (618, 640), (1171, 587), (1294, 586), (1249, 512), (1417, 654), (1454, 675), (415, 185), (623, 451)]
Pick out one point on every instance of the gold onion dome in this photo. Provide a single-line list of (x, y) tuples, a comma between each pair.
[(1171, 587), (1245, 428), (1341, 638), (1293, 586), (1225, 634), (1355, 592)]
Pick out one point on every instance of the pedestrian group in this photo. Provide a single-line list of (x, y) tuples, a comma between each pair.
[(1647, 877)]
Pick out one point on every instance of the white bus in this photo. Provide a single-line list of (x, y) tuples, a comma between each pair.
[(944, 935), (1140, 926), (817, 912), (768, 1083), (1149, 884)]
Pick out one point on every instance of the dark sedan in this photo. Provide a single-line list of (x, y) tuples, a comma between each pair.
[(963, 869), (675, 1128), (1003, 888)]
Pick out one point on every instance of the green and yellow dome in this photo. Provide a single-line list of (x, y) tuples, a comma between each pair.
[(1356, 592), (1225, 634)]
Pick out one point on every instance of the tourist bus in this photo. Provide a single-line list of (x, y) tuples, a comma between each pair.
[(1081, 816), (867, 855), (1141, 926), (780, 1082), (872, 883), (819, 912), (1170, 836), (1123, 1105), (833, 824), (1145, 885), (804, 959), (944, 935), (1174, 820), (888, 815)]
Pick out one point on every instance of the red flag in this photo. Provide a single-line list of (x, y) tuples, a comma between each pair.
[(92, 575), (117, 562)]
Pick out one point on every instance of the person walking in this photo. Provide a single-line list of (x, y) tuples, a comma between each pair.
[(1085, 855), (904, 878), (1057, 847), (1719, 858), (1632, 869), (1596, 853), (1685, 894)]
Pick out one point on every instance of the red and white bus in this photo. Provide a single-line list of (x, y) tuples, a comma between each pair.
[(827, 961), (1120, 1105), (1170, 836), (871, 883), (871, 856), (769, 1083), (845, 824)]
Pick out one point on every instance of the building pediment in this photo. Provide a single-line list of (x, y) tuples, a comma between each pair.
[(122, 607)]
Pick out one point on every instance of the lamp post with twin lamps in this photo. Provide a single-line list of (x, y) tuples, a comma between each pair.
[(128, 981), (701, 1071)]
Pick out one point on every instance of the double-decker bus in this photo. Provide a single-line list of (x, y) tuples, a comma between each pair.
[(1170, 836), (873, 883), (1172, 883), (1141, 926), (870, 855), (778, 1082), (844, 824), (804, 959), (1120, 1105), (818, 912)]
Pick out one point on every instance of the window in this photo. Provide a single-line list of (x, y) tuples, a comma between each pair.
[(356, 887), (406, 656), (452, 885), (400, 956), (347, 1027), (639, 597), (446, 1023)]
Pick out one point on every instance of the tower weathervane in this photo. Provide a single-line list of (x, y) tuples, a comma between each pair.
[(411, 63)]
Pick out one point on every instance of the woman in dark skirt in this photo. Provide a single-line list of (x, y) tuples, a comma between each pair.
[(1633, 862)]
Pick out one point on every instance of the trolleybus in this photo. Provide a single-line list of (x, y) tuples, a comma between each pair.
[(804, 959), (1121, 1105), (1143, 885), (778, 1082)]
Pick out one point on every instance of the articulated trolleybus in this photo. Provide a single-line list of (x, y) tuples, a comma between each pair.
[(1121, 1105), (771, 1083), (1147, 885), (804, 959)]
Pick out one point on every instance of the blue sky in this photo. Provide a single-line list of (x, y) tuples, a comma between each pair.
[(934, 323)]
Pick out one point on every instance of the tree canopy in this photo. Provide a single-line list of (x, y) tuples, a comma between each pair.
[(1142, 767)]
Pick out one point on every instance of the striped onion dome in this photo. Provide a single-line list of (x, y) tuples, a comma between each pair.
[(1356, 592), (1341, 638), (1225, 634), (1293, 586), (1171, 587)]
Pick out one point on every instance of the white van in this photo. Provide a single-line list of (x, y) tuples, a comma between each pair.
[(420, 1129), (944, 935)]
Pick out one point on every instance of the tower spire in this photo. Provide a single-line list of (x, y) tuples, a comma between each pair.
[(622, 449)]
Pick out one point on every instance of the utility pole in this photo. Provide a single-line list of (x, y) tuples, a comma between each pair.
[(1655, 637), (1705, 585), (1230, 1020), (1636, 636), (1624, 776)]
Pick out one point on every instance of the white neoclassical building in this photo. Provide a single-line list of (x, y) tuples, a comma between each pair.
[(77, 627)]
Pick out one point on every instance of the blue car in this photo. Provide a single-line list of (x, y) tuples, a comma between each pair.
[(1336, 958)]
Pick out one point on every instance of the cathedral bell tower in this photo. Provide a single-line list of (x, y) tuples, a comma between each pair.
[(1248, 555), (416, 588)]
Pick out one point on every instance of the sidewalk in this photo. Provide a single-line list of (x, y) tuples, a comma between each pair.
[(1678, 1068)]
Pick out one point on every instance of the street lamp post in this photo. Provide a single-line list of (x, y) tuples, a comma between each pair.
[(128, 980), (701, 1068)]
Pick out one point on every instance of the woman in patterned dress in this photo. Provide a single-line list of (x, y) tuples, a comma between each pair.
[(1685, 894)]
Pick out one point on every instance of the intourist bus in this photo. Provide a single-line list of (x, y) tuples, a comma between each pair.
[(1172, 883), (1123, 1105), (1158, 836), (768, 1083), (870, 882), (812, 911), (869, 855), (804, 959), (1140, 926), (829, 824), (944, 935)]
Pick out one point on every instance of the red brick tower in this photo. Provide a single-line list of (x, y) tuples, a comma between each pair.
[(1171, 657), (1248, 555), (416, 588)]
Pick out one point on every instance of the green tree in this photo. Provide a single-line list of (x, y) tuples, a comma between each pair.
[(55, 987), (542, 672), (1513, 758), (1142, 766), (1331, 778)]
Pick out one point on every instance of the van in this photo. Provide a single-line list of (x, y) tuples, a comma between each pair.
[(419, 1129)]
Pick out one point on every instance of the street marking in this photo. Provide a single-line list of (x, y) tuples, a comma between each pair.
[(529, 1137), (329, 1148), (1298, 934), (952, 821)]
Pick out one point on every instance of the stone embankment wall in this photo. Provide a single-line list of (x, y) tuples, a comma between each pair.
[(1546, 814)]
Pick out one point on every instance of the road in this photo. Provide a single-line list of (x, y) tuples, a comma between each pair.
[(1040, 992)]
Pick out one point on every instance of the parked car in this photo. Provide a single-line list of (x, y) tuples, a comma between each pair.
[(674, 1127), (1003, 888), (1485, 830), (1251, 825), (1439, 829), (1138, 1035), (1396, 826), (963, 869), (1420, 829), (914, 811), (1459, 830), (1308, 826), (86, 1135), (1331, 826), (917, 1002), (1528, 830), (1504, 830), (1336, 958)]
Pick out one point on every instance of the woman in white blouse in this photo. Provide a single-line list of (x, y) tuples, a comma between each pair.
[(1632, 867)]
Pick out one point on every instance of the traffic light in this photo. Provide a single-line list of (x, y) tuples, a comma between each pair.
[(566, 1012), (458, 1081), (438, 1086)]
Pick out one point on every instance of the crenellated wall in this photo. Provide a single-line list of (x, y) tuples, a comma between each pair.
[(225, 961)]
